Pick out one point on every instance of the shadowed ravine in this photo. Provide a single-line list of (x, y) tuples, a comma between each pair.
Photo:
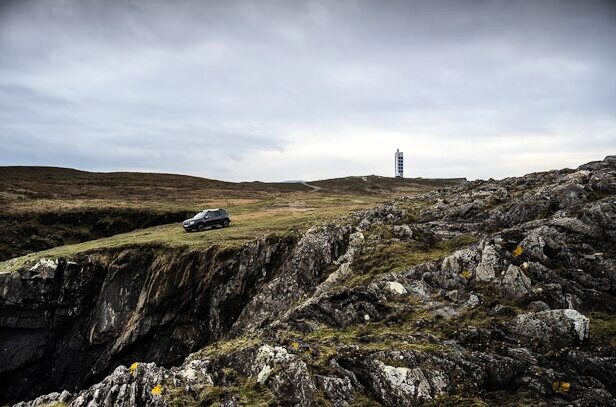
[(66, 326)]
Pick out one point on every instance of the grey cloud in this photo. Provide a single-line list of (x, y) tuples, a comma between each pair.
[(106, 85)]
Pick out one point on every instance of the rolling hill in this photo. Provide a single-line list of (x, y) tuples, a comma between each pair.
[(47, 207)]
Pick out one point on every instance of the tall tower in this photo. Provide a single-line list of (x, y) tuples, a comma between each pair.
[(399, 164)]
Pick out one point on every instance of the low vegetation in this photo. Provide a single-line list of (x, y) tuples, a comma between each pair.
[(602, 330), (383, 253), (55, 212)]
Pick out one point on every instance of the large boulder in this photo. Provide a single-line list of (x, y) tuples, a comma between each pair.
[(514, 284), (284, 374), (561, 327), (488, 267), (337, 390), (403, 386)]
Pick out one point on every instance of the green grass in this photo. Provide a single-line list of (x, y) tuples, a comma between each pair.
[(362, 400), (389, 255), (247, 391), (249, 221), (32, 198), (225, 347), (602, 330), (449, 400), (372, 336), (27, 189)]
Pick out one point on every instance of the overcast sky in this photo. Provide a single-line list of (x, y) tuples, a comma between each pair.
[(281, 90)]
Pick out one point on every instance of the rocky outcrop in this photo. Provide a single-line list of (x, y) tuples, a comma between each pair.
[(81, 319), (555, 328), (494, 292)]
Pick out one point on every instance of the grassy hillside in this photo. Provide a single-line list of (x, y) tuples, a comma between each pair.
[(249, 221), (70, 210), (376, 185), (39, 188)]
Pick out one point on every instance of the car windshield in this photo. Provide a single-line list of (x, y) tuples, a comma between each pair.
[(200, 215)]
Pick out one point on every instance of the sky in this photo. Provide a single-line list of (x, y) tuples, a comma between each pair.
[(304, 90)]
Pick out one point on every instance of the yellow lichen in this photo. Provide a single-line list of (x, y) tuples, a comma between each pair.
[(295, 345), (157, 390), (465, 274), (133, 368), (518, 251), (561, 386)]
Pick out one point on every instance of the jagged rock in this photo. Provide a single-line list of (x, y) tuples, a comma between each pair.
[(387, 213), (395, 288), (543, 245), (342, 307), (293, 383), (344, 271), (403, 231), (318, 248), (356, 241), (537, 306), (402, 386), (562, 327), (144, 304), (460, 260), (444, 276), (267, 357), (339, 391), (522, 354), (514, 284), (601, 367), (495, 371), (473, 301), (488, 267), (47, 400)]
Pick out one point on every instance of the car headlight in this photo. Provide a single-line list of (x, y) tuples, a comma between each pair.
[(191, 222)]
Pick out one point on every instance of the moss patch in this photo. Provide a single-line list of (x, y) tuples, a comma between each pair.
[(602, 330), (225, 347), (386, 254)]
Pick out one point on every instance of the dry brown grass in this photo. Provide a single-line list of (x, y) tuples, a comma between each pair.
[(30, 196)]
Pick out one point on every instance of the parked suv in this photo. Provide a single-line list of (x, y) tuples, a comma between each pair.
[(207, 218)]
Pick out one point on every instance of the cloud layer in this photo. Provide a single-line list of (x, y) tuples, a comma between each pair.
[(275, 90)]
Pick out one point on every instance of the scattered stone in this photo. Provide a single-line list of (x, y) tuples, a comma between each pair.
[(395, 288)]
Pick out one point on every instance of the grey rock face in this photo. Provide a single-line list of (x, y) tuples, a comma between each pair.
[(489, 266), (318, 248), (514, 284), (403, 231), (562, 327), (404, 386), (147, 304), (339, 391), (285, 374)]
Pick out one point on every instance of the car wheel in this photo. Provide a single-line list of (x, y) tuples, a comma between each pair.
[(201, 228), (225, 223)]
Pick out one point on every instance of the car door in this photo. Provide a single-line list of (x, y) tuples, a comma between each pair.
[(212, 218), (207, 216), (217, 218)]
